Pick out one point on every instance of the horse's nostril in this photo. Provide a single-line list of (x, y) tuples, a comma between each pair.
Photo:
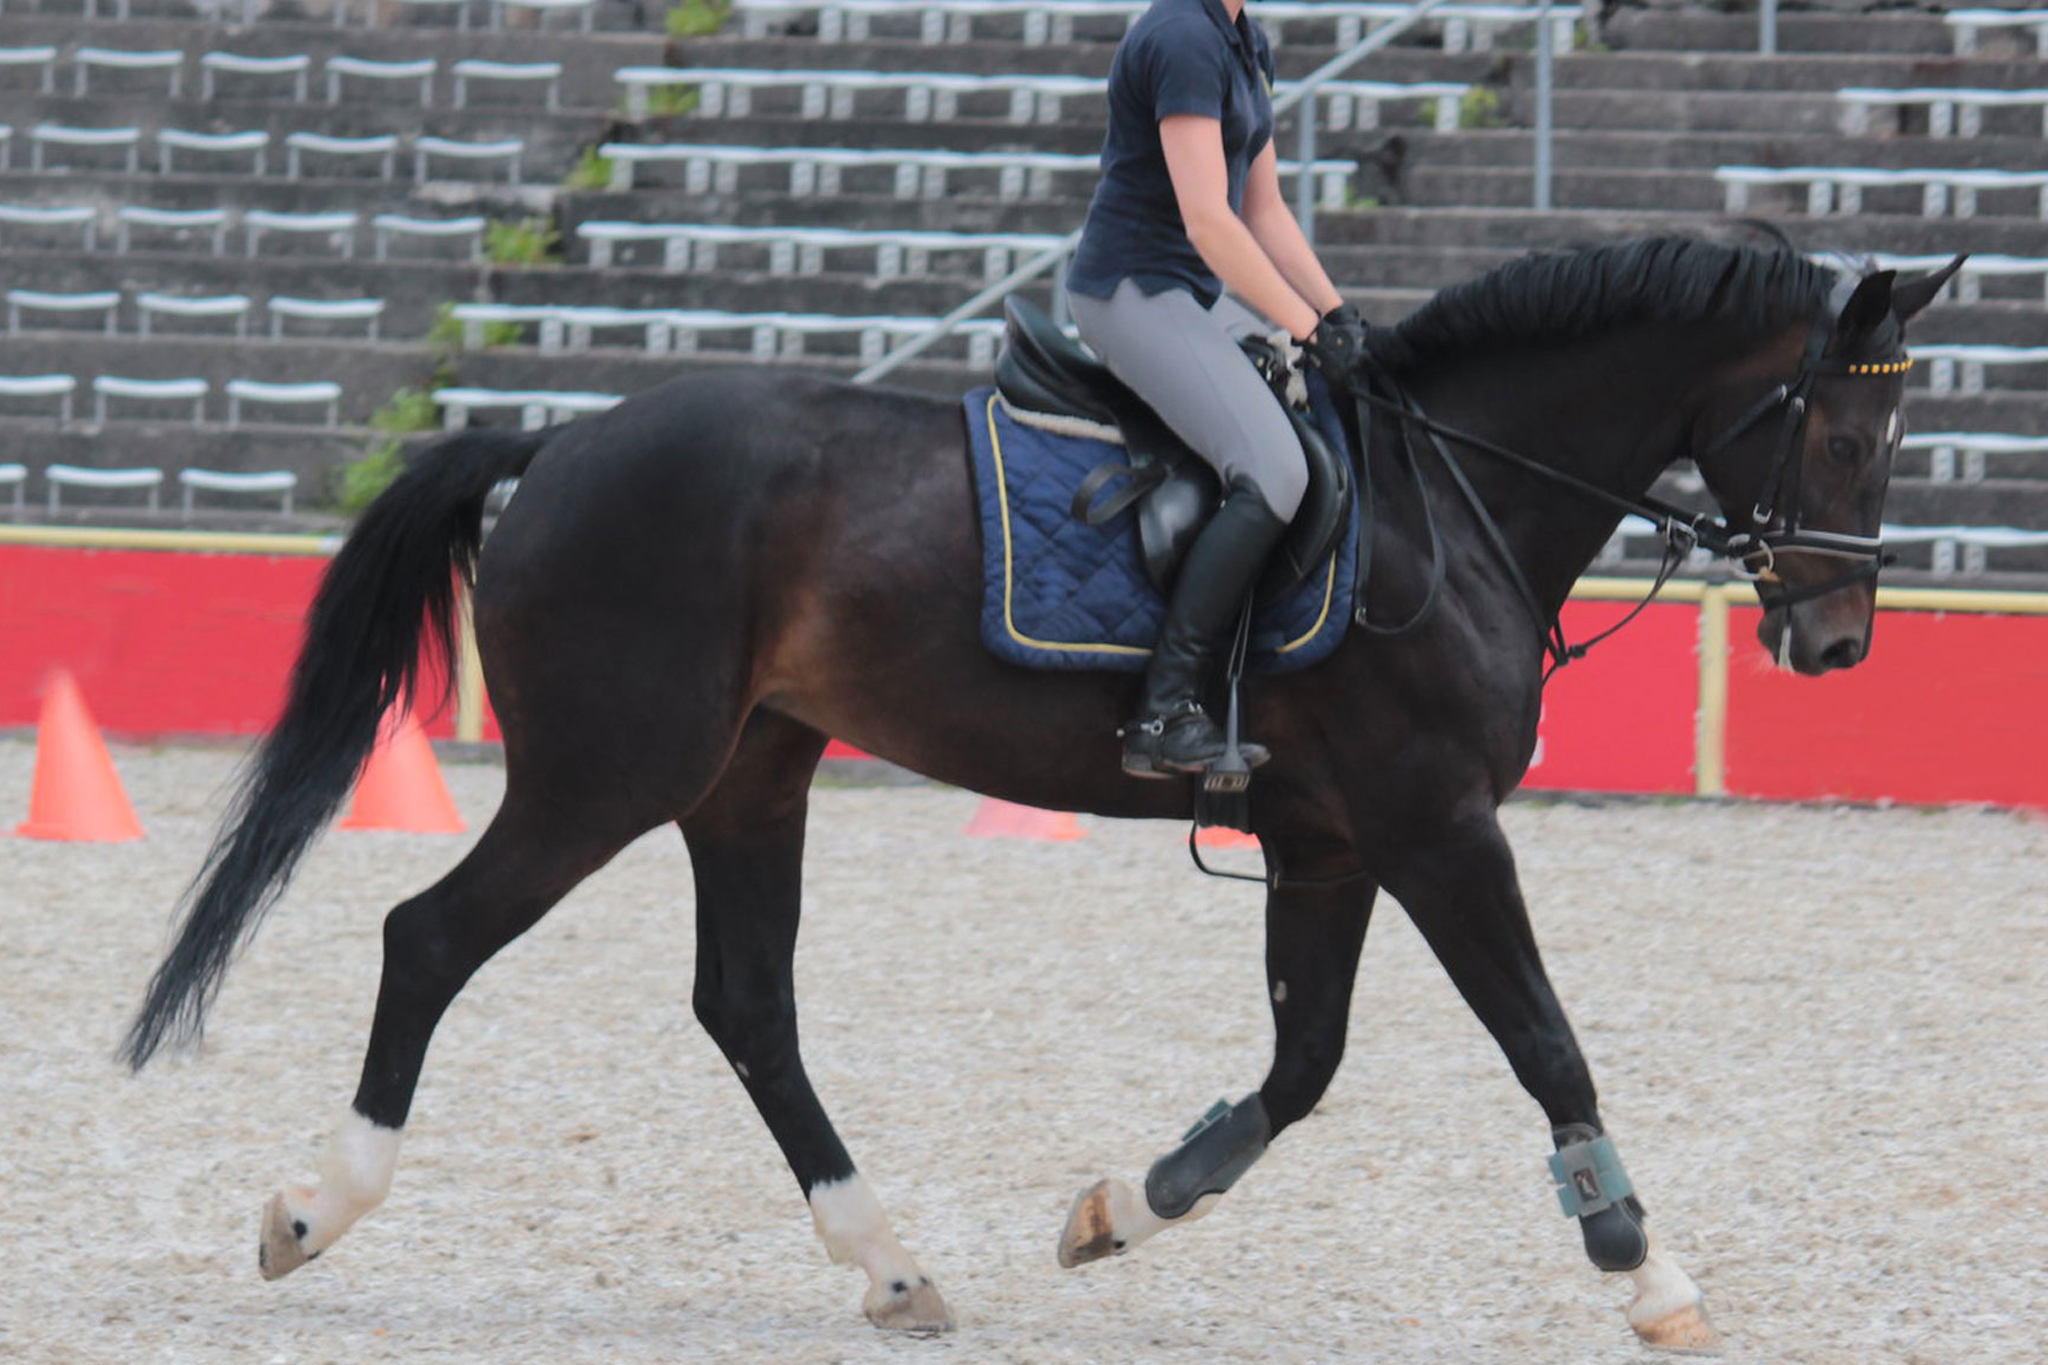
[(1843, 654)]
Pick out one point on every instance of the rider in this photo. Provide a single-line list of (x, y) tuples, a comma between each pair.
[(1189, 203)]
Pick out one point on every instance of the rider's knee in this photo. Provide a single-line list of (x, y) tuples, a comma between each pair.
[(1281, 483)]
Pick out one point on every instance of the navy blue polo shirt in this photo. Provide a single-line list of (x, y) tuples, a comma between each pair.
[(1181, 57)]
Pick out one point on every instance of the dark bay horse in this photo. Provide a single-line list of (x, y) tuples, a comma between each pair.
[(690, 592)]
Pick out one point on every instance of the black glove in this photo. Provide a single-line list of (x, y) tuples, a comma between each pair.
[(1337, 342)]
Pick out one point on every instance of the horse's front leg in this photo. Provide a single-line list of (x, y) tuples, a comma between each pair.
[(1461, 891), (1313, 938)]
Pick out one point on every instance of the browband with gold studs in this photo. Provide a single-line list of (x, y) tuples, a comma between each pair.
[(1880, 367)]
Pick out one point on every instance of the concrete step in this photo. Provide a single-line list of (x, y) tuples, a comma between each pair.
[(1642, 149), (1486, 186), (587, 60), (366, 194), (412, 290), (547, 134), (1668, 71), (369, 374), (1519, 227), (1401, 62), (316, 455), (1693, 30)]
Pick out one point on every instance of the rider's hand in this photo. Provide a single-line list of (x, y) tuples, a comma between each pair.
[(1338, 341)]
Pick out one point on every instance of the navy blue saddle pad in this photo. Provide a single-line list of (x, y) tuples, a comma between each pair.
[(1059, 593)]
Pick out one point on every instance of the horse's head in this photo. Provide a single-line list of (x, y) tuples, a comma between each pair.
[(1799, 456)]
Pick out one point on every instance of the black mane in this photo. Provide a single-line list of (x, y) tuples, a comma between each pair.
[(1569, 295)]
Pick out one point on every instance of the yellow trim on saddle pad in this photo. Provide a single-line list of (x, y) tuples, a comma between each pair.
[(995, 445)]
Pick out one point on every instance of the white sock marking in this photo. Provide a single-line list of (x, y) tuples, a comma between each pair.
[(1661, 1288), (355, 1176), (856, 1231)]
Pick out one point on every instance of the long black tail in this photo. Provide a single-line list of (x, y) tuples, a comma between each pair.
[(393, 582)]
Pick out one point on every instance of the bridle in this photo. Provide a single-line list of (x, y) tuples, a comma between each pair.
[(1771, 528), (1773, 525)]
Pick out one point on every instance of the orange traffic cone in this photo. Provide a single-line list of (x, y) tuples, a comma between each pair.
[(1005, 820), (77, 794), (401, 787), (1219, 836)]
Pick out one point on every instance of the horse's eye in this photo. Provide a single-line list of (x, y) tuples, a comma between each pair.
[(1845, 449)]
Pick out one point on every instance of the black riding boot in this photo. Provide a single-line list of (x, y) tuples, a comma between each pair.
[(1172, 733)]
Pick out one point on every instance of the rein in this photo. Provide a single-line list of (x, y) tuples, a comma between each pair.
[(1753, 548), (1682, 530)]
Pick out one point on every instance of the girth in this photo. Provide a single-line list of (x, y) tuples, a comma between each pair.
[(1172, 490)]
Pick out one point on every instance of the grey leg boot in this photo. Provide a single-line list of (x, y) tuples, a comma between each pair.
[(1173, 735)]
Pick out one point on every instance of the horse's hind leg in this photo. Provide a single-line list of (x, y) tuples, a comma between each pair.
[(532, 855), (1461, 892), (1314, 934), (746, 850)]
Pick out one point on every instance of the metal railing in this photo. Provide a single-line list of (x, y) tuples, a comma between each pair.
[(1053, 256)]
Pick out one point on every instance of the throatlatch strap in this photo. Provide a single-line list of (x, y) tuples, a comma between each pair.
[(1589, 1176)]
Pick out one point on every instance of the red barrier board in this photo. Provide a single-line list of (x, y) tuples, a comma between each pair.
[(1946, 709), (1621, 719), (160, 643)]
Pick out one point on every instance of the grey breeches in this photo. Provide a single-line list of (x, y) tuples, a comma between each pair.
[(1183, 360)]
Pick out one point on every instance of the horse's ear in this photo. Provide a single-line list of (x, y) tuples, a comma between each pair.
[(1868, 306), (1914, 293)]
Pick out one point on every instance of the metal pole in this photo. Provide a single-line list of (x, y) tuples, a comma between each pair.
[(1305, 183), (1543, 92), (1767, 27)]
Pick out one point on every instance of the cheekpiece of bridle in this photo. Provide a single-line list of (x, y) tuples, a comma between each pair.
[(1773, 525)]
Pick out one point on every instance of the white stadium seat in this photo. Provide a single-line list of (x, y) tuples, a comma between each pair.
[(383, 148), (82, 216), (58, 477), (278, 481), (212, 222), (150, 306), (255, 142), (507, 73), (103, 301), (42, 60), (86, 59), (58, 386), (387, 226), (324, 394), (369, 312), (365, 69), (338, 226), (109, 386), (507, 151), (44, 136), (244, 69), (537, 407)]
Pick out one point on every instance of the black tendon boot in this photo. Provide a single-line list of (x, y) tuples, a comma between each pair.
[(1172, 733)]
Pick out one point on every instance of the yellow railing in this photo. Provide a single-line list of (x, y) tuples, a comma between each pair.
[(1713, 599)]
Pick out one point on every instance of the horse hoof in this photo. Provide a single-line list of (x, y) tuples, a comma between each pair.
[(1683, 1332), (1090, 1234), (278, 1250), (905, 1307)]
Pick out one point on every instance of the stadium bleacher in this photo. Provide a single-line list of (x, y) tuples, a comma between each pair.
[(557, 201)]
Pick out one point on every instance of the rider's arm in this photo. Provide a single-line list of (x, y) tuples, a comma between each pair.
[(1273, 226), (1194, 159)]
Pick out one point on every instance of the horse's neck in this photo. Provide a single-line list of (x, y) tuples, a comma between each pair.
[(1597, 413)]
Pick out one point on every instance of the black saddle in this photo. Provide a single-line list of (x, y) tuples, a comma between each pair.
[(1040, 370)]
